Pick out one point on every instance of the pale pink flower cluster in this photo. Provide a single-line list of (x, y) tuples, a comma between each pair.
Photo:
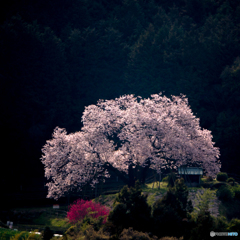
[(128, 131)]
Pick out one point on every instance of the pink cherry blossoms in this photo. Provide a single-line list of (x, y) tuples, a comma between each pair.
[(128, 131)]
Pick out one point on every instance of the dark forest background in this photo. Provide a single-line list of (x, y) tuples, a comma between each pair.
[(58, 56)]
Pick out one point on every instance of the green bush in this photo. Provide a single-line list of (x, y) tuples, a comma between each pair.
[(171, 238), (165, 179), (206, 184), (91, 234), (47, 234), (131, 210), (165, 217), (221, 224), (170, 210), (218, 185), (3, 225), (33, 236), (6, 234), (96, 223), (204, 225), (222, 176), (209, 179), (236, 190), (225, 193), (72, 231), (20, 236), (171, 179), (231, 180), (26, 236), (234, 225), (88, 227), (130, 234), (203, 201)]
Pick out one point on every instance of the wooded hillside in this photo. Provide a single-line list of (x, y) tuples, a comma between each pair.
[(59, 56)]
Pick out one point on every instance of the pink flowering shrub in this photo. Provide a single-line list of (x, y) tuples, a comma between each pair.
[(80, 208)]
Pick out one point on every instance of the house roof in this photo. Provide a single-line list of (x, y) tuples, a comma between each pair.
[(190, 171)]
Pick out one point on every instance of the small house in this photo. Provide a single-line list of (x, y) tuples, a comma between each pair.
[(191, 175)]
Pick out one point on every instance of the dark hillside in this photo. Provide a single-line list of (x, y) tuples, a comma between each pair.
[(59, 56)]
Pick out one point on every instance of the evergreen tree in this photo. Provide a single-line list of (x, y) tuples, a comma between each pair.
[(171, 211), (131, 209)]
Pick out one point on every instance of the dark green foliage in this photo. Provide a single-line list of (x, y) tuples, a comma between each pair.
[(171, 210), (112, 230), (47, 234), (221, 224), (209, 179), (231, 181), (231, 209), (204, 225), (221, 176), (72, 231), (165, 179), (171, 179), (3, 225), (96, 223), (171, 238), (218, 185), (65, 236), (236, 190), (118, 216), (207, 184), (88, 227), (164, 217), (6, 234), (128, 234), (181, 193), (234, 225), (225, 193), (92, 234), (131, 210)]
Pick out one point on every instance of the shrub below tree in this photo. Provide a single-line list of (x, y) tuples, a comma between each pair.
[(203, 226), (221, 224), (225, 193), (231, 181), (236, 190), (131, 210), (234, 225), (128, 234), (171, 213), (80, 208), (47, 234), (218, 185), (222, 176)]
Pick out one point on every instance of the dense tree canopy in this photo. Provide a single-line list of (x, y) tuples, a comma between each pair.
[(59, 56), (127, 132)]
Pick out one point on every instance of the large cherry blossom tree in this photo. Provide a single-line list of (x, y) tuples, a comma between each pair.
[(129, 131)]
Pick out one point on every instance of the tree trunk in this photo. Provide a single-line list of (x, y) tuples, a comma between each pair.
[(131, 180), (144, 172)]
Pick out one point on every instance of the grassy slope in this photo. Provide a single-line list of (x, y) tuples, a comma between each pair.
[(39, 218), (6, 234)]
